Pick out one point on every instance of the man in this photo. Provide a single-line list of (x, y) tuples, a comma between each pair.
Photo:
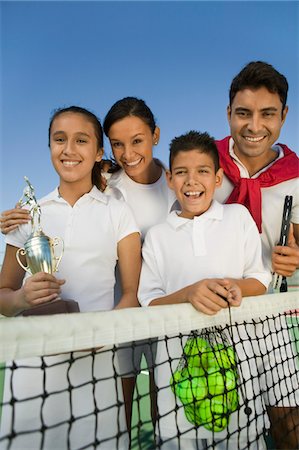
[(259, 174)]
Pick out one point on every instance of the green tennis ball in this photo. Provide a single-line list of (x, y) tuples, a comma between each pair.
[(191, 372), (194, 361), (199, 388), (183, 391), (191, 413), (216, 383), (219, 405), (219, 357), (188, 348), (233, 400), (212, 369), (219, 423), (195, 345), (215, 414), (196, 351), (201, 413), (230, 380), (185, 374), (191, 389), (219, 346), (196, 372), (212, 362), (220, 412), (199, 361), (204, 411)]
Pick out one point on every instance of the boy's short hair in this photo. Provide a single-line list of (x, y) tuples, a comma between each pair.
[(257, 74), (194, 140)]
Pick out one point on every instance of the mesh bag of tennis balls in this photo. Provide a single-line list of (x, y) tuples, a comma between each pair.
[(205, 380)]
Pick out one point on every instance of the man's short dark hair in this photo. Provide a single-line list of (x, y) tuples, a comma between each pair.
[(259, 74)]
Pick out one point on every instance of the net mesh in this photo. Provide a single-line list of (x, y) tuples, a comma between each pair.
[(219, 380)]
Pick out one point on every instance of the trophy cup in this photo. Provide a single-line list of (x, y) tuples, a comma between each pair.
[(40, 253), (39, 249)]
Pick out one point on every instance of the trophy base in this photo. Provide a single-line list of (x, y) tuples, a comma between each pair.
[(55, 307)]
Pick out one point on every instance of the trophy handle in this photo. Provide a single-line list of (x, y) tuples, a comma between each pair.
[(22, 251), (56, 241)]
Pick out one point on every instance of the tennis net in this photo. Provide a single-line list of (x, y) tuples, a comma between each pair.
[(220, 381)]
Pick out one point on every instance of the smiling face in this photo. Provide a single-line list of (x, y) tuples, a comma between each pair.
[(194, 181), (74, 149), (255, 119), (132, 143)]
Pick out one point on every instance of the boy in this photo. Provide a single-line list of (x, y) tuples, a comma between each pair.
[(194, 175), (209, 255)]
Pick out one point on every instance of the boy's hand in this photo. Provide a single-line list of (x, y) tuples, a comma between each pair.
[(40, 288), (234, 295), (211, 295), (12, 218)]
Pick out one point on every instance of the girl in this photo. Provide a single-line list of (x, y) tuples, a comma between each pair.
[(138, 179), (97, 231)]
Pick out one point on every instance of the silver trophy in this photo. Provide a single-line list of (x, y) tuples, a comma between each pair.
[(39, 249)]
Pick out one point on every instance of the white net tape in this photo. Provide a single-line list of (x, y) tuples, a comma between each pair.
[(22, 337)]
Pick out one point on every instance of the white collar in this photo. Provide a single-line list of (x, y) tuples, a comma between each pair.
[(55, 196), (215, 212)]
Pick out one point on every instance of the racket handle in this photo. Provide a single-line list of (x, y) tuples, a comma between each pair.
[(284, 285)]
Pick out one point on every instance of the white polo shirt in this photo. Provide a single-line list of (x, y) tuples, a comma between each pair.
[(222, 242), (272, 203), (90, 230)]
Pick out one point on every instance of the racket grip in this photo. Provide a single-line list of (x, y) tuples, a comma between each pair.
[(280, 283), (284, 285)]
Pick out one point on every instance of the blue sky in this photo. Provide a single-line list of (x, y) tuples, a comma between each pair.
[(179, 56)]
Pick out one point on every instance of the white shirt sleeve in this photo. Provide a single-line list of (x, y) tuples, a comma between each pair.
[(151, 283), (18, 237), (125, 224)]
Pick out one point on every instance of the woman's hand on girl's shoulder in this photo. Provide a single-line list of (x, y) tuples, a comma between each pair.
[(12, 218)]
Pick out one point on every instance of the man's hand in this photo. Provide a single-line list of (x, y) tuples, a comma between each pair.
[(285, 259)]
